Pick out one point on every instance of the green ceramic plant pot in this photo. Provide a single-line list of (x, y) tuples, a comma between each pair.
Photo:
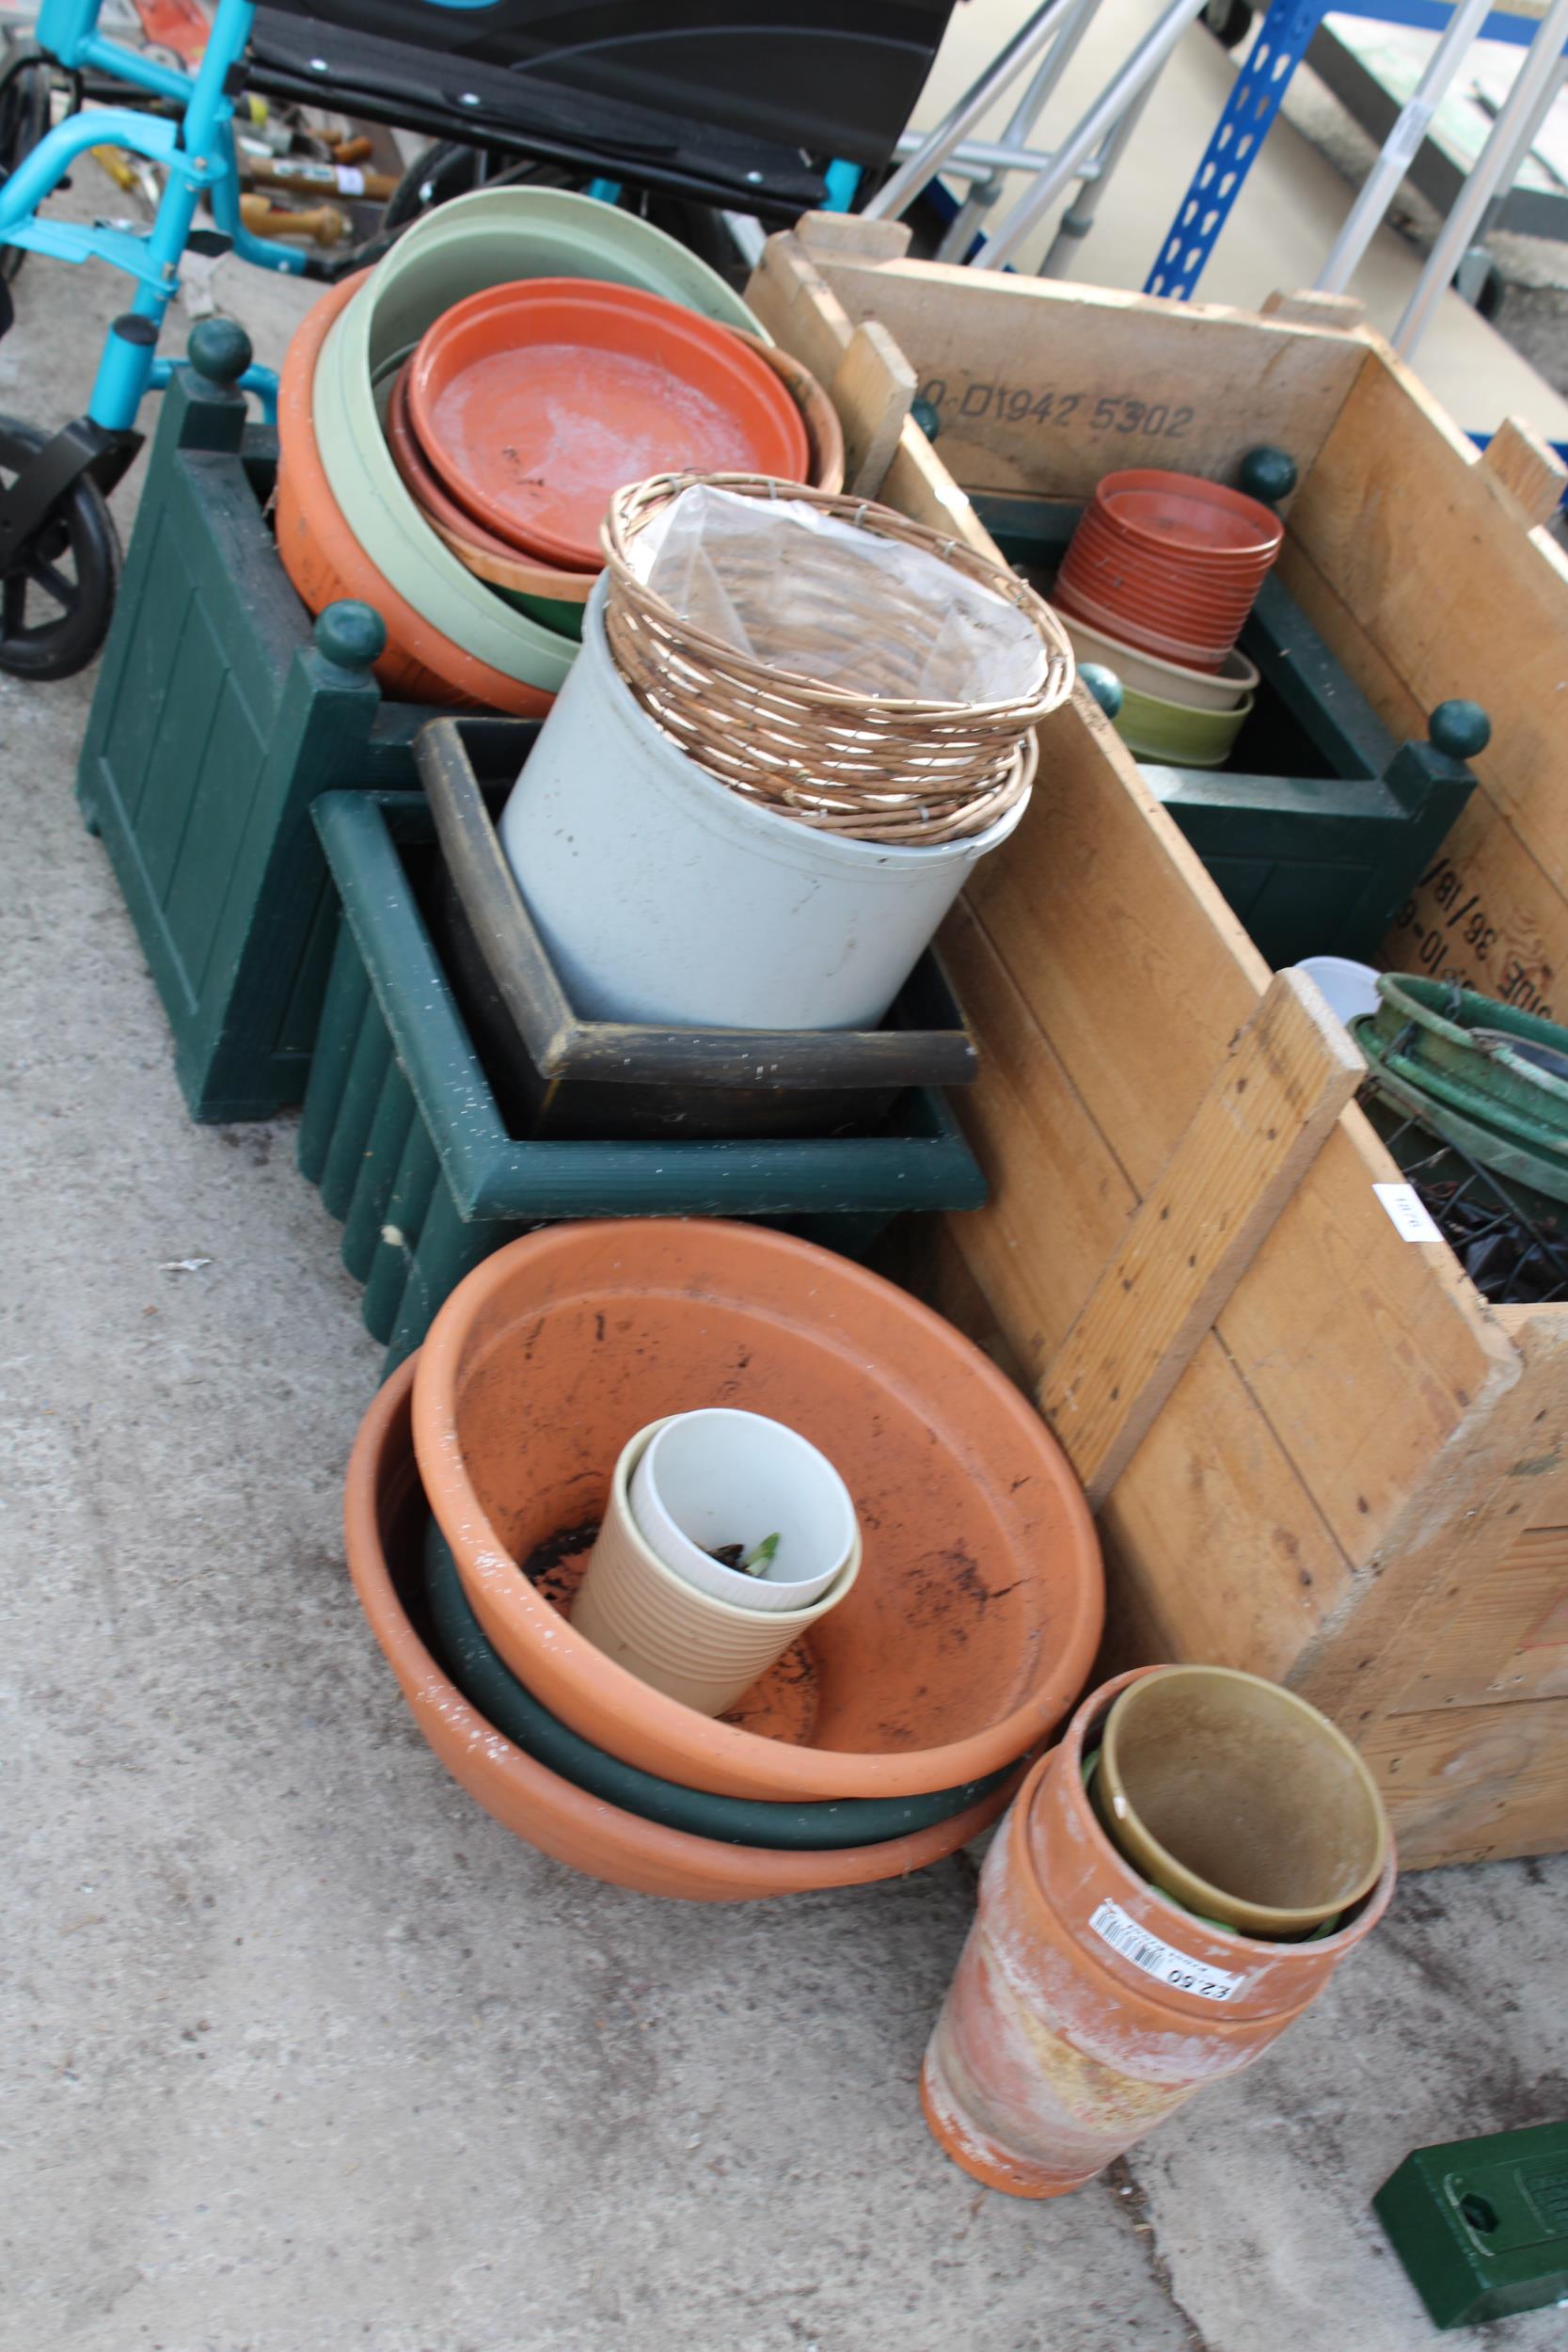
[(487, 239), (488, 1684), (1172, 733)]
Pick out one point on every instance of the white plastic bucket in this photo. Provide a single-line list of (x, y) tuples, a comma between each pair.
[(1351, 988), (665, 898)]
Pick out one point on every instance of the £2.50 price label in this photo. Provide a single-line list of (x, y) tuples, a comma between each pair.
[(1135, 1942)]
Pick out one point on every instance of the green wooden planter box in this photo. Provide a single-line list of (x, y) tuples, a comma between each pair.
[(219, 714), (402, 1132), (1322, 823)]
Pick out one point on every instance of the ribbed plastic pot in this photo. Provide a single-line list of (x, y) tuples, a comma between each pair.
[(692, 1646), (326, 563), (1073, 602), (663, 895), (1085, 2007), (384, 1517), (976, 1612)]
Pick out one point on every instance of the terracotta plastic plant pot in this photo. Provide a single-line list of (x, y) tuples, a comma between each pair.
[(1158, 729), (326, 563), (979, 1604), (504, 1702), (1239, 1801), (535, 402), (395, 535), (691, 1645), (1145, 674), (384, 1515), (1187, 513), (824, 433), (1162, 598), (1073, 603), (553, 595), (1086, 2008)]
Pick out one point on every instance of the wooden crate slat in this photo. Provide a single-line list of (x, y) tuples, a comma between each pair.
[(1470, 1783), (1089, 369), (1266, 1116), (1427, 553)]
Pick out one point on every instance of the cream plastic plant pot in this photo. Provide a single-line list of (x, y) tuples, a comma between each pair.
[(703, 1651), (665, 898), (719, 1477)]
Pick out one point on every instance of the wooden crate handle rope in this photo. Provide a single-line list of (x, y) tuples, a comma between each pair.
[(1290, 1073)]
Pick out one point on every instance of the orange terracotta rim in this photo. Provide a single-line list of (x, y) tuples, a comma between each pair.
[(487, 555), (1220, 525), (601, 1699), (381, 1499), (326, 562), (599, 384)]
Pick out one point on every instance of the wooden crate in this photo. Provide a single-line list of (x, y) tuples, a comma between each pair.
[(1316, 1451)]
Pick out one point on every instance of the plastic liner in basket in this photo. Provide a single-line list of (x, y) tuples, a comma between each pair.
[(850, 668), (801, 591)]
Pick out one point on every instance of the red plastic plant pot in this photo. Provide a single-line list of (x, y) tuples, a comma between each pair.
[(536, 402)]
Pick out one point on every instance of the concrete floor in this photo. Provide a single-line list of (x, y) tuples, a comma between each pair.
[(305, 2053)]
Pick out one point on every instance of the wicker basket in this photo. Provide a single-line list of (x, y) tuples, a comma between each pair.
[(879, 767)]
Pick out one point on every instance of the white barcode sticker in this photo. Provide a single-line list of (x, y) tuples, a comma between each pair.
[(1125, 1935), (1409, 1213)]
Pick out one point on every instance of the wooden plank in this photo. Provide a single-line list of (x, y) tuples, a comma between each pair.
[(1486, 913), (1475, 1496), (1475, 1783), (1044, 387), (1528, 469), (800, 308), (1210, 1481), (1289, 1074), (1306, 307), (873, 389), (1508, 1638), (1137, 972), (843, 234), (1215, 1551), (1424, 548)]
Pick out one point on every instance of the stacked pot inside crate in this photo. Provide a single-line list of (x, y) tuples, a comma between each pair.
[(1156, 585)]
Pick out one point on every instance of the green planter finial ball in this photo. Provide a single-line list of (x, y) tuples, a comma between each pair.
[(1461, 728), (219, 351), (927, 416), (1103, 685), (1269, 474), (351, 634)]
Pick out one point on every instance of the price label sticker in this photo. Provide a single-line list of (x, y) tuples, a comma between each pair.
[(1147, 1951), (1406, 1213)]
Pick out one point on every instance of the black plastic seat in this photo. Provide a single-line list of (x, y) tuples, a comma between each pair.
[(734, 102)]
